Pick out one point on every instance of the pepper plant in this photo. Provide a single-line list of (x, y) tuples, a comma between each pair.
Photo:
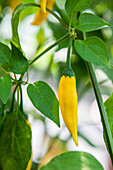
[(15, 130)]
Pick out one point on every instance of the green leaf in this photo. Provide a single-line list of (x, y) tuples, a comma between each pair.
[(5, 88), (15, 22), (5, 54), (93, 50), (44, 99), (109, 109), (15, 142), (28, 11), (73, 161), (19, 64), (76, 5), (90, 22)]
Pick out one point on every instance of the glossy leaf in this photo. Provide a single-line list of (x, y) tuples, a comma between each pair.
[(15, 142), (19, 64), (90, 22), (109, 109), (73, 161), (76, 5), (93, 50), (5, 54), (44, 99), (5, 88)]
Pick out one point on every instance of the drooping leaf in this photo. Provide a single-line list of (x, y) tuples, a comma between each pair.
[(93, 50), (109, 109), (15, 22), (15, 142), (28, 11), (5, 88), (73, 161), (19, 64), (76, 5), (5, 54), (44, 99), (89, 22)]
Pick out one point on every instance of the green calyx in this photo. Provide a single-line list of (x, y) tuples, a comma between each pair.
[(68, 70)]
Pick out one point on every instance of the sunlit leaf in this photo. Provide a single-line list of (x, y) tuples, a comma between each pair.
[(90, 22), (93, 50), (76, 5), (73, 161), (44, 99)]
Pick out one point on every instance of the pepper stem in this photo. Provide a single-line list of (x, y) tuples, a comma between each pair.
[(68, 70), (68, 61)]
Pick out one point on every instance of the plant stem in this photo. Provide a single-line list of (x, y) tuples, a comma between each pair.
[(50, 11), (13, 98), (27, 76), (70, 22), (68, 62), (101, 106), (21, 99), (18, 89), (59, 19), (50, 47)]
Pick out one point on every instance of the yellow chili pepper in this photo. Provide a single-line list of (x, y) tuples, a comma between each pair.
[(41, 14), (43, 5), (67, 95), (13, 3), (68, 103)]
